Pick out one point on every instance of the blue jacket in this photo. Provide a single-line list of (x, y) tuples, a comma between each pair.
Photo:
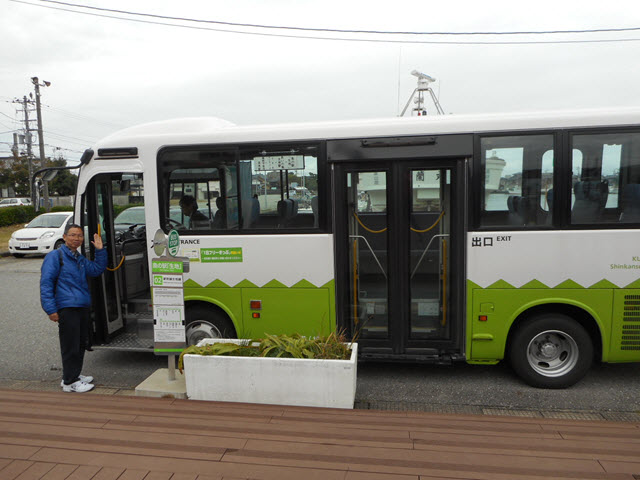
[(67, 286)]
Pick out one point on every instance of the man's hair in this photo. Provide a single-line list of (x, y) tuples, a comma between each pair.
[(70, 226), (188, 200)]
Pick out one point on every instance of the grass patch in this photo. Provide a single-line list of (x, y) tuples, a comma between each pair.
[(332, 347), (5, 235)]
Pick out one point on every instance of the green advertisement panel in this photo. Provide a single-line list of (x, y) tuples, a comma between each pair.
[(221, 255)]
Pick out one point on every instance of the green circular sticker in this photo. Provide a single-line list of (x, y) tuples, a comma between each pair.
[(173, 243)]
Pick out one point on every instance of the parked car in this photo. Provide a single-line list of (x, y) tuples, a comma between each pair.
[(41, 235), (134, 217), (131, 217), (14, 202)]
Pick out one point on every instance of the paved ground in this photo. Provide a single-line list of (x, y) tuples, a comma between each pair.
[(29, 355), (57, 436)]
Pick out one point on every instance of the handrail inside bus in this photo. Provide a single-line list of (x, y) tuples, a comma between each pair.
[(372, 253), (425, 252), (367, 228), (429, 228)]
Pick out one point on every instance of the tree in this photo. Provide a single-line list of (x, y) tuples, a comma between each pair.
[(65, 182), (5, 174), (19, 176)]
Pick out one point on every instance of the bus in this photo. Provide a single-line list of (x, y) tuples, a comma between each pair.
[(475, 238)]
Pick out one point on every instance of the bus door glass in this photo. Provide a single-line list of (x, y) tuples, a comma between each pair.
[(429, 243), (99, 215), (368, 253), (402, 256)]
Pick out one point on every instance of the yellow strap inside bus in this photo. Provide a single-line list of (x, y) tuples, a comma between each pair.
[(121, 260), (367, 228), (427, 229), (412, 229), (119, 265)]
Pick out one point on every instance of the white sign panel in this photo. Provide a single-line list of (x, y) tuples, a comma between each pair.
[(168, 305), (169, 325), (167, 296), (283, 162)]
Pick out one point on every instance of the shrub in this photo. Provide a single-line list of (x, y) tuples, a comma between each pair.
[(14, 215), (332, 347), (61, 208)]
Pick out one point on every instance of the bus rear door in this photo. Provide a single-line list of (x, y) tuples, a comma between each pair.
[(400, 254)]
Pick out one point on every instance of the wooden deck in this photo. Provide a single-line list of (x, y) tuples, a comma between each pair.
[(56, 436)]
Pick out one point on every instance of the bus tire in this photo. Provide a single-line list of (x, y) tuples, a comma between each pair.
[(203, 322), (58, 244), (551, 351)]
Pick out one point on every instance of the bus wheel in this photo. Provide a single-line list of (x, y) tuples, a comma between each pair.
[(58, 244), (203, 322), (551, 351)]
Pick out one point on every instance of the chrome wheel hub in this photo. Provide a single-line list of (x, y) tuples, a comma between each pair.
[(201, 329), (552, 353)]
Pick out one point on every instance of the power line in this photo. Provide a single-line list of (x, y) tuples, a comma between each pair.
[(78, 116), (335, 30), (10, 118), (65, 138), (368, 40)]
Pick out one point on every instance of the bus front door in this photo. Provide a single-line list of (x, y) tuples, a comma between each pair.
[(114, 208), (98, 216), (400, 241)]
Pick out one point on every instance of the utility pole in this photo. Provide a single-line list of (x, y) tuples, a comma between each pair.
[(27, 140), (45, 193)]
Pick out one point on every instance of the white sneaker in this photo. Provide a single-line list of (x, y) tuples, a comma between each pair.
[(87, 379), (78, 387)]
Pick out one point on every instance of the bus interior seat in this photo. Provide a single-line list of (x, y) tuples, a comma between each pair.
[(549, 197), (591, 198), (251, 212), (549, 201), (630, 203), (314, 209), (287, 210), (516, 205)]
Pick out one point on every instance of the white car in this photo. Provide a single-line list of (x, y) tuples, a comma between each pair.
[(41, 235), (14, 202)]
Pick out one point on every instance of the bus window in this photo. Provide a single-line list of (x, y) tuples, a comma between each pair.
[(264, 187), (605, 183), (279, 187), (517, 187)]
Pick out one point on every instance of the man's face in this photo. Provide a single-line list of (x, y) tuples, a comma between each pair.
[(186, 209), (73, 238)]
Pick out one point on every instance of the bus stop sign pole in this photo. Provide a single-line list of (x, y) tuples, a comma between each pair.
[(168, 299)]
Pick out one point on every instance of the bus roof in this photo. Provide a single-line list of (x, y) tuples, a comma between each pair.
[(207, 130)]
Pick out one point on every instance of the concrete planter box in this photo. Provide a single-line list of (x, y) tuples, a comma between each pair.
[(279, 381)]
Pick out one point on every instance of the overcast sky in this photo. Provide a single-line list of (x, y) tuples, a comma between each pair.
[(107, 74)]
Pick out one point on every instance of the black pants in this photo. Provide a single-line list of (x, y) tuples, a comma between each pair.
[(73, 330)]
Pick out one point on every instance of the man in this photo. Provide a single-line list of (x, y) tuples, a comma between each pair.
[(65, 297), (189, 208)]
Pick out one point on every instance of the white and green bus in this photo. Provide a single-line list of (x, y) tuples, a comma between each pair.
[(470, 238)]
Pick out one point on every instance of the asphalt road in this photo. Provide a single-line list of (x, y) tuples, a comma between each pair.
[(29, 351)]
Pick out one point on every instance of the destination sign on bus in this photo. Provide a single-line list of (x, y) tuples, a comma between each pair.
[(282, 162)]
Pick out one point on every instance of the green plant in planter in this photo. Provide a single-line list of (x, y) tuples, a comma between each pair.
[(332, 347)]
